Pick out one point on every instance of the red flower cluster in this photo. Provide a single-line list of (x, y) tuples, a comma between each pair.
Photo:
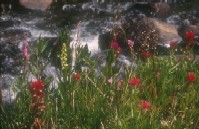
[(36, 89), (189, 37), (191, 77), (146, 54), (76, 76), (135, 82), (115, 46), (145, 105)]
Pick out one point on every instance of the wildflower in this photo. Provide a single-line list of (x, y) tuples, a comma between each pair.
[(146, 54), (115, 46), (191, 77), (119, 84), (189, 37), (145, 105), (110, 80), (157, 73), (38, 104), (37, 85), (76, 76), (134, 82), (25, 50), (64, 56), (173, 44), (130, 43), (38, 123)]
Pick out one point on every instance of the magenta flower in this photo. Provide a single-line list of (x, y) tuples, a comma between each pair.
[(130, 43), (115, 46), (25, 50)]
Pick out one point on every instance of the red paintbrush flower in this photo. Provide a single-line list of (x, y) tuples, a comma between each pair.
[(37, 85), (191, 77), (145, 105), (115, 45), (189, 37), (76, 76), (146, 54), (134, 82)]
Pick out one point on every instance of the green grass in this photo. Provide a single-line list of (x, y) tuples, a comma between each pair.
[(91, 102)]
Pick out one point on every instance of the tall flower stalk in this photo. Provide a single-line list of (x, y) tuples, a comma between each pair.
[(37, 105), (64, 63)]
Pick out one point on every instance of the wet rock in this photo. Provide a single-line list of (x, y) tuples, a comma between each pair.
[(7, 23), (145, 8), (10, 56), (162, 10), (174, 19), (149, 31), (36, 4), (104, 41), (167, 32), (9, 92), (14, 35)]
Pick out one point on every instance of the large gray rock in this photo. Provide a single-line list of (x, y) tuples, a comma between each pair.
[(36, 4), (167, 32)]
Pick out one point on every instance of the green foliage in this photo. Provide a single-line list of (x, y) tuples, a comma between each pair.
[(87, 101)]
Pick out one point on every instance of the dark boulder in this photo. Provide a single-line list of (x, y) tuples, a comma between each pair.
[(10, 58), (148, 34), (145, 8), (14, 35), (162, 10)]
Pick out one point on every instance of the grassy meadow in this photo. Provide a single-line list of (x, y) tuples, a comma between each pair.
[(160, 93)]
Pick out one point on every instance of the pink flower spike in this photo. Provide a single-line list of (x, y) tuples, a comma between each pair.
[(25, 50), (110, 80), (118, 49), (130, 43), (119, 84)]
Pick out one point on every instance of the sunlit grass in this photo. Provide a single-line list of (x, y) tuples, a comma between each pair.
[(162, 92)]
